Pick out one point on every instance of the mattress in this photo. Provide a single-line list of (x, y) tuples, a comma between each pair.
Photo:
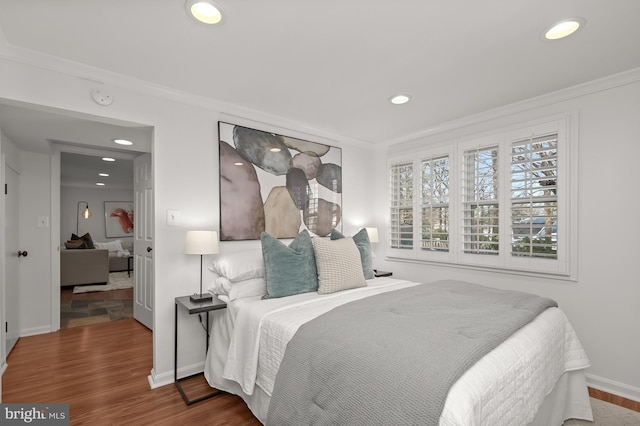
[(506, 387)]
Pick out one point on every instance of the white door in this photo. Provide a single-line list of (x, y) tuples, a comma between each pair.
[(12, 261), (143, 240)]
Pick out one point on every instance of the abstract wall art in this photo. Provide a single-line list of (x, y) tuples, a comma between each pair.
[(118, 217), (277, 184)]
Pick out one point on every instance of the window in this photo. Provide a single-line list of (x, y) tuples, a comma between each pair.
[(401, 232), (500, 201), (434, 200), (534, 198), (481, 206)]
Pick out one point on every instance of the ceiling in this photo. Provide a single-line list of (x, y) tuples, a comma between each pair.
[(82, 142), (81, 171), (332, 65)]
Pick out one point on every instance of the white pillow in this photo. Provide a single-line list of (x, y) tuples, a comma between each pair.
[(248, 288), (219, 285), (239, 289), (239, 266), (339, 265), (110, 245)]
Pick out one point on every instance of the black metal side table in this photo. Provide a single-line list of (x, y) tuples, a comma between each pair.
[(193, 308), (129, 265)]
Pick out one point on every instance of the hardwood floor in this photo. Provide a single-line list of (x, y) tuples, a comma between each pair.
[(101, 372)]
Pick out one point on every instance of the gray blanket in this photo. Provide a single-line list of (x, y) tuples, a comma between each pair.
[(391, 359)]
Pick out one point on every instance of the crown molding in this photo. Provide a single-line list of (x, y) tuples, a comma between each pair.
[(615, 80), (102, 77)]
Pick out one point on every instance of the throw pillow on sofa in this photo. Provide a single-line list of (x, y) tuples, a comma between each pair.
[(88, 241), (74, 244)]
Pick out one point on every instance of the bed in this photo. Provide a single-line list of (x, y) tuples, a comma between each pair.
[(534, 376)]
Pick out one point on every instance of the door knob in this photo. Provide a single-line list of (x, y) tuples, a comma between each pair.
[(22, 253), (149, 249)]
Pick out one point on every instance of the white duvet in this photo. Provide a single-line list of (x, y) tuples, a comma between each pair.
[(506, 387)]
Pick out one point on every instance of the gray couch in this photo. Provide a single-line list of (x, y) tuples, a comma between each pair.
[(117, 264), (84, 266)]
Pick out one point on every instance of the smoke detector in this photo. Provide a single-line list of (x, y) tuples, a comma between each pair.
[(101, 97)]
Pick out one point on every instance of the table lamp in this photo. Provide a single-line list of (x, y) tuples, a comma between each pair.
[(201, 242)]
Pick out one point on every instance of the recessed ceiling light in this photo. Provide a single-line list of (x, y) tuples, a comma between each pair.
[(103, 174), (108, 159), (274, 149), (123, 142), (563, 28), (204, 11), (239, 163), (400, 99), (100, 183)]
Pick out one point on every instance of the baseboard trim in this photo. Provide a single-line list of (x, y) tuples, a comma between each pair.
[(613, 392), (159, 380), (35, 331)]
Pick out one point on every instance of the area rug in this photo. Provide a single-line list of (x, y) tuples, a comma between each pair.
[(117, 281)]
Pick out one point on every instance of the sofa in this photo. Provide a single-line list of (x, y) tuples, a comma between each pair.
[(86, 266), (87, 262), (118, 255), (117, 263)]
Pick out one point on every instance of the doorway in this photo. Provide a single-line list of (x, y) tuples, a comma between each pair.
[(49, 132), (83, 213)]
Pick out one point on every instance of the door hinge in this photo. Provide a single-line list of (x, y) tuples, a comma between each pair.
[(5, 189), (6, 326)]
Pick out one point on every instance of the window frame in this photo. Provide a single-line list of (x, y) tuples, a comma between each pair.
[(565, 265)]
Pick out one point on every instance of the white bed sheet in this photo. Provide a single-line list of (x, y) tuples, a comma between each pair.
[(505, 387)]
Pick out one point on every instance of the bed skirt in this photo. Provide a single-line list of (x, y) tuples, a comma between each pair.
[(569, 399)]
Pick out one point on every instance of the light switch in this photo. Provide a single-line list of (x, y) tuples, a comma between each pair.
[(173, 217)]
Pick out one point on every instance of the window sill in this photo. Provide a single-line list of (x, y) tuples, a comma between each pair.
[(493, 269)]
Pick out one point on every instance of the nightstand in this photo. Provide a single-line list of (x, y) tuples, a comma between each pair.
[(185, 303), (377, 273)]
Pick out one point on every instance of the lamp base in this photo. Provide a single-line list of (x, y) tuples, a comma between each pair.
[(199, 298)]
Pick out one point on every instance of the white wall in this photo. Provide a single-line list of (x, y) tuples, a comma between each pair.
[(603, 305), (185, 178), (95, 197)]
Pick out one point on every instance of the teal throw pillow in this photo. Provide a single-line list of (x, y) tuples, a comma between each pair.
[(289, 269), (364, 247)]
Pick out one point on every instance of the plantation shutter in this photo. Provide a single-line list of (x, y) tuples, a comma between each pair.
[(401, 209), (434, 201), (480, 206), (534, 197)]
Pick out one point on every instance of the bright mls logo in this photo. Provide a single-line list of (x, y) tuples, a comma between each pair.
[(37, 414)]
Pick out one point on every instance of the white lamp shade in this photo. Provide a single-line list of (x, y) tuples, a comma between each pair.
[(201, 242), (373, 235)]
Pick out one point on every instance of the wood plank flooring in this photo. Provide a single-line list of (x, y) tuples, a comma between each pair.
[(101, 371)]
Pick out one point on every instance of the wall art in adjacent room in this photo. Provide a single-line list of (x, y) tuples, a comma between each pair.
[(118, 217)]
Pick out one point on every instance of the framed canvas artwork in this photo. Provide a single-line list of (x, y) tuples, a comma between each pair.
[(277, 184), (118, 217)]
